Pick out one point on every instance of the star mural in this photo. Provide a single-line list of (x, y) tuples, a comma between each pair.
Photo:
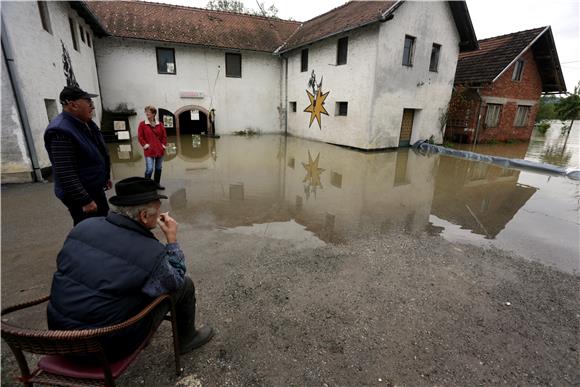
[(312, 178), (316, 107)]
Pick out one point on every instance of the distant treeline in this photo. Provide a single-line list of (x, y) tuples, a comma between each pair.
[(548, 109)]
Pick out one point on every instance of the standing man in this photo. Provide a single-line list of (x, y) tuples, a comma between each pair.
[(79, 156)]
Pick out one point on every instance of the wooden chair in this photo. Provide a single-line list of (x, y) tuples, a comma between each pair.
[(57, 369)]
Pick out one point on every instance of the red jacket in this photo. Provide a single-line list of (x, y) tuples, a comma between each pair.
[(156, 137)]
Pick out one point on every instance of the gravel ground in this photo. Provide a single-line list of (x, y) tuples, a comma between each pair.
[(379, 308)]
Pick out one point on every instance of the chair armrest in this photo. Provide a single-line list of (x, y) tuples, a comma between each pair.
[(24, 305)]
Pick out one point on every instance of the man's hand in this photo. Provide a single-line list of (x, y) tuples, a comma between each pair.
[(109, 185), (91, 207), (169, 227), (145, 146)]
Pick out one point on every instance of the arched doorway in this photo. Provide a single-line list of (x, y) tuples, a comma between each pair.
[(191, 119)]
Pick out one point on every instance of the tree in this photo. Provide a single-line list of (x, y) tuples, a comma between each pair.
[(239, 7), (569, 108)]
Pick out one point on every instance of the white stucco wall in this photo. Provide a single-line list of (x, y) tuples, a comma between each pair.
[(350, 83), (39, 66), (398, 87), (128, 75)]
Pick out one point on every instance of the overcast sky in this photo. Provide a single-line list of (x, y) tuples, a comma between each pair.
[(489, 17)]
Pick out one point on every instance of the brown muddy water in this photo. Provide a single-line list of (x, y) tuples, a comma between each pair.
[(315, 193)]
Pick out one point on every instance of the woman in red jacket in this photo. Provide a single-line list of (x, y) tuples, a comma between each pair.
[(153, 139)]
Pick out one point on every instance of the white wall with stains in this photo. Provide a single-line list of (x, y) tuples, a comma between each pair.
[(398, 87), (351, 82), (38, 60), (128, 75)]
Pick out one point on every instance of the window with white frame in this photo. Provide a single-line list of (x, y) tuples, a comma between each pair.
[(165, 60), (522, 116), (233, 65), (518, 70), (492, 115), (408, 50)]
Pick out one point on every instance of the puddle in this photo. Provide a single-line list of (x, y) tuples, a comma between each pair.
[(313, 192), (290, 231)]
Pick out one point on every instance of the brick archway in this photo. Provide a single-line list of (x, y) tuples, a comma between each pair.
[(191, 107)]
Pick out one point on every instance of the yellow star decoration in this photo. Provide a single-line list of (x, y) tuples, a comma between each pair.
[(313, 173), (316, 106)]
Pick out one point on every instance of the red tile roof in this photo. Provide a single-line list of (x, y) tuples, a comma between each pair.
[(178, 24), (346, 17), (493, 56)]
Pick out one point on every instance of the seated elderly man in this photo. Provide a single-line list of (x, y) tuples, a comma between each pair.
[(111, 267)]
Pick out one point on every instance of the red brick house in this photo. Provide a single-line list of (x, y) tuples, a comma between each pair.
[(498, 87)]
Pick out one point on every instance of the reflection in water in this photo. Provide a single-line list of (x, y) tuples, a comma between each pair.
[(256, 182)]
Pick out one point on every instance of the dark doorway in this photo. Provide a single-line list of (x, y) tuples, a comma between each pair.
[(168, 120), (192, 122)]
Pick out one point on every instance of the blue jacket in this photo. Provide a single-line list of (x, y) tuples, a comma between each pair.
[(101, 269), (92, 157)]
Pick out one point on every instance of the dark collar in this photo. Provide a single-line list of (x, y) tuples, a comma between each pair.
[(128, 223)]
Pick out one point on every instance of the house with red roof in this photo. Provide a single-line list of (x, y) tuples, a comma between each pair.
[(498, 87)]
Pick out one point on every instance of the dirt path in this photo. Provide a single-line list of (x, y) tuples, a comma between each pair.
[(382, 308)]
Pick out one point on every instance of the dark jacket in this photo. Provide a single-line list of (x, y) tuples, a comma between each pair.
[(101, 270), (92, 157)]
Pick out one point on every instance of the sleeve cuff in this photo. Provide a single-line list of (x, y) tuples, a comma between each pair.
[(173, 246)]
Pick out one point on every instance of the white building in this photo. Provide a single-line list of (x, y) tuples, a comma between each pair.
[(368, 74), (35, 37)]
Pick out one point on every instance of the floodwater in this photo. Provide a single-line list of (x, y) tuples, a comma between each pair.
[(315, 193)]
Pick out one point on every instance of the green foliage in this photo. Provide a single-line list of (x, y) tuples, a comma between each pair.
[(238, 7), (542, 127), (547, 109), (568, 108), (249, 131)]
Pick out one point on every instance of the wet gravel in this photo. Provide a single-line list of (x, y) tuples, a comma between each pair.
[(383, 307)]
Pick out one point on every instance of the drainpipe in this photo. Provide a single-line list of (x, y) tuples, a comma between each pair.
[(478, 118), (20, 106), (285, 95)]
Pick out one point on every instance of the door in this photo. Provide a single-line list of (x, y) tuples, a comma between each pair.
[(406, 127)]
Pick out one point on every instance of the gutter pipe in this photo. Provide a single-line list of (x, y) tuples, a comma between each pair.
[(20, 106)]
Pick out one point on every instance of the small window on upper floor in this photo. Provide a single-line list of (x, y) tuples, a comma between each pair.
[(341, 109), (73, 33), (82, 33), (434, 63), (304, 60), (341, 51), (44, 16), (165, 60), (88, 38), (233, 65), (293, 107), (518, 70), (408, 51)]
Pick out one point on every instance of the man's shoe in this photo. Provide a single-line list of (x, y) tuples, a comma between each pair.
[(202, 336), (160, 187)]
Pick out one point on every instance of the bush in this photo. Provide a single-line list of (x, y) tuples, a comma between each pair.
[(543, 127)]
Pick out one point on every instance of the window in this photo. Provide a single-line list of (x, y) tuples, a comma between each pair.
[(293, 107), (336, 179), (408, 50), (304, 61), (51, 109), (434, 63), (522, 116), (233, 65), (165, 60), (82, 32), (341, 109), (44, 16), (492, 115), (341, 51), (88, 39), (518, 70), (73, 33)]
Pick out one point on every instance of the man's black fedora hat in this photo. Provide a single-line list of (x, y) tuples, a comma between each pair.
[(72, 93), (134, 191)]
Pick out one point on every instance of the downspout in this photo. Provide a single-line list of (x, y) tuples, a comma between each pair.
[(478, 117), (20, 106), (285, 95)]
